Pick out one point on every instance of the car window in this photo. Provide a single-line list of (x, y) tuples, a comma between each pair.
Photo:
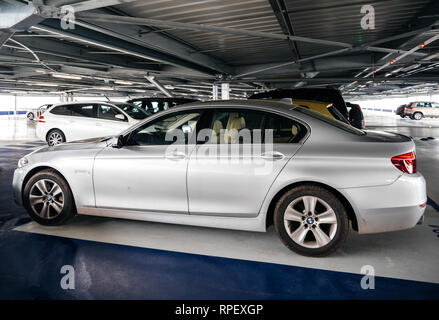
[(107, 112), (341, 125), (133, 111), (174, 128), (233, 126), (83, 110), (62, 110)]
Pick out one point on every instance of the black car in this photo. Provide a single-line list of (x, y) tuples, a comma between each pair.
[(400, 111), (356, 117), (154, 105)]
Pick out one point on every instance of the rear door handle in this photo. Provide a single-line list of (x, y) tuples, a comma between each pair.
[(176, 155), (273, 155)]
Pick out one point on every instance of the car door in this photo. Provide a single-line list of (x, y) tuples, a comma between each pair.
[(110, 120), (149, 172), (231, 173), (81, 122)]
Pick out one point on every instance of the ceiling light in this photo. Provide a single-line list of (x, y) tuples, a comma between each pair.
[(66, 76), (43, 84), (123, 82)]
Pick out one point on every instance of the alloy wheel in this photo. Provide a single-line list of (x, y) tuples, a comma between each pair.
[(46, 198), (55, 138), (310, 222)]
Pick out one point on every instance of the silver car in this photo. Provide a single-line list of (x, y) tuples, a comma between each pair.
[(237, 165), (418, 110)]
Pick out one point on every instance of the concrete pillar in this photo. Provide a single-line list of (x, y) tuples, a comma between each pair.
[(225, 91), (215, 92)]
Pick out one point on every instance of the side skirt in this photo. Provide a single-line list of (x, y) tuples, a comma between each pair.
[(234, 223)]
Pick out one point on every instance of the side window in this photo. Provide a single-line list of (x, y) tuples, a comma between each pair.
[(435, 105), (107, 112), (175, 128), (236, 126), (83, 110), (138, 104), (284, 129), (62, 110), (246, 126), (427, 104), (420, 104)]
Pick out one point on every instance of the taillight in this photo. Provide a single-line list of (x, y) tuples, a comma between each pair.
[(410, 108), (41, 119), (405, 162)]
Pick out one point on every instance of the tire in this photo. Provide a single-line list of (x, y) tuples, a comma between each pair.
[(402, 115), (40, 193), (418, 116), (30, 116), (55, 137), (303, 228)]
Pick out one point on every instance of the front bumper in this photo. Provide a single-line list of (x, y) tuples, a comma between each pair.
[(17, 185), (390, 208)]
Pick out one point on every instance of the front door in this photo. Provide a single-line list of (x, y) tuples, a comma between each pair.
[(149, 172)]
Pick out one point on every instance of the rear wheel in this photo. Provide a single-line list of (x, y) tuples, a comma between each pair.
[(311, 221), (48, 199), (402, 115), (55, 137), (30, 116), (417, 116)]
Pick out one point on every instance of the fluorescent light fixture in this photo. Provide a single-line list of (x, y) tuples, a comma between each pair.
[(43, 84), (169, 87), (193, 90), (66, 76), (123, 82)]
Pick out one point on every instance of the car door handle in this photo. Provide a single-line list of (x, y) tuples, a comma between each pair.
[(176, 155), (273, 155)]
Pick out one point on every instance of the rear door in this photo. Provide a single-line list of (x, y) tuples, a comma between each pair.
[(230, 174), (110, 120)]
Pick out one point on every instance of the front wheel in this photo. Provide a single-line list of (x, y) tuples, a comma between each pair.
[(48, 199), (311, 221)]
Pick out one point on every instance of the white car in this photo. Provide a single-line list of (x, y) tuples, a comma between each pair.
[(82, 120), (35, 113)]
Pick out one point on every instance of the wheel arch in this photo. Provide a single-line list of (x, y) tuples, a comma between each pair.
[(37, 169), (347, 205)]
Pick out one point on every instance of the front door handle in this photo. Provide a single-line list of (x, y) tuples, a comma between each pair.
[(272, 155), (176, 155)]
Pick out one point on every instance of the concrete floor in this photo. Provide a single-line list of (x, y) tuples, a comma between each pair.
[(130, 259)]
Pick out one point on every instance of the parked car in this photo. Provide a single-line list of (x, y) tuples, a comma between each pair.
[(155, 105), (420, 109), (81, 120), (314, 94), (35, 113), (356, 117), (400, 111), (324, 108), (314, 176)]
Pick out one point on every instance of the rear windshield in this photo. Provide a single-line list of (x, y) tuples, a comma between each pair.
[(336, 123)]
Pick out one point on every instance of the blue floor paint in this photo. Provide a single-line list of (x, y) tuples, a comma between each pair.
[(109, 271)]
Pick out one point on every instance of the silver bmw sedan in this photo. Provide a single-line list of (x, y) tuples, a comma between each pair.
[(237, 165)]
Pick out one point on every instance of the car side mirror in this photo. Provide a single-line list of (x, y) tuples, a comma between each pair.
[(120, 117), (117, 142)]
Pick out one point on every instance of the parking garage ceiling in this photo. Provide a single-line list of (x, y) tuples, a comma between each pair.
[(114, 46)]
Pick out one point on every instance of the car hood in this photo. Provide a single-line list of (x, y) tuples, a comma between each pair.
[(382, 136), (91, 143)]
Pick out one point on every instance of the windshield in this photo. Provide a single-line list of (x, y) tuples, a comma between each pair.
[(133, 111), (336, 123)]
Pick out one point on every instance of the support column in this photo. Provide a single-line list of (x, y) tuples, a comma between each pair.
[(225, 91), (215, 92)]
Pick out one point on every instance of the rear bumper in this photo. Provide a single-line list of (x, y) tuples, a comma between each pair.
[(389, 208)]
